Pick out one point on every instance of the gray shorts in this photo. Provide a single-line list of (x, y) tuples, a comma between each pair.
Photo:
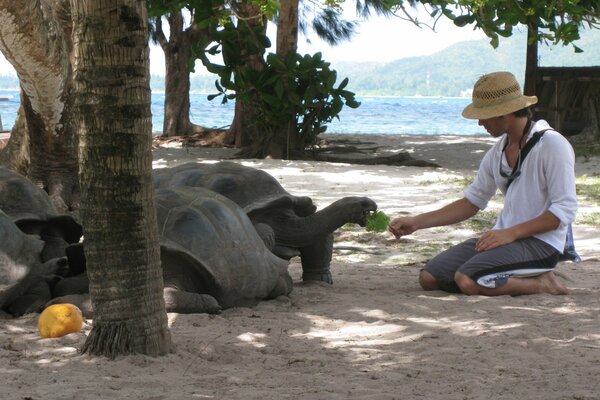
[(492, 268)]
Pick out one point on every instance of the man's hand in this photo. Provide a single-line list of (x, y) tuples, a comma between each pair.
[(496, 238), (402, 226), (452, 213)]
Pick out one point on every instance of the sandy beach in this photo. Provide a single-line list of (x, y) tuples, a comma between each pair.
[(373, 334)]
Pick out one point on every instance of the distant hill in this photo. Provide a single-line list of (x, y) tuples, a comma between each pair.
[(452, 71), (449, 72)]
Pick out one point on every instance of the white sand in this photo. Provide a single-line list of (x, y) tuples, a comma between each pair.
[(372, 335)]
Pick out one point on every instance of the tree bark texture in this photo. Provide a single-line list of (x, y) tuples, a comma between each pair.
[(247, 134), (111, 76), (286, 134), (287, 28), (41, 58)]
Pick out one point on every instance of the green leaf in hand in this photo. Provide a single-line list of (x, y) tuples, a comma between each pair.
[(377, 222)]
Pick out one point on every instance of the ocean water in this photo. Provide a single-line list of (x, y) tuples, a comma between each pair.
[(376, 115)]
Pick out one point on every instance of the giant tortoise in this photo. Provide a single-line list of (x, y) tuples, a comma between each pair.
[(212, 257), (297, 227)]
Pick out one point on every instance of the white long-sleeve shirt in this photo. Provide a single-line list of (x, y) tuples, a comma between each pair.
[(546, 183)]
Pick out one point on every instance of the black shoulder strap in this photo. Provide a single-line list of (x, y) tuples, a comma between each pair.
[(524, 151)]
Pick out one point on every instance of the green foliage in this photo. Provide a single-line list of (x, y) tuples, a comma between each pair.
[(157, 8), (551, 21), (300, 86), (303, 86), (377, 221)]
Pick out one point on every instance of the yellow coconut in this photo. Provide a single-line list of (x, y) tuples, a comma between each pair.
[(59, 320)]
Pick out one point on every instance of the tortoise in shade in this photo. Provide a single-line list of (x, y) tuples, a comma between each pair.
[(212, 257)]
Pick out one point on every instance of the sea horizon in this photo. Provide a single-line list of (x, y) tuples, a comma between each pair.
[(382, 115)]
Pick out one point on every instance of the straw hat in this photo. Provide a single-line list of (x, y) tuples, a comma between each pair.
[(497, 94)]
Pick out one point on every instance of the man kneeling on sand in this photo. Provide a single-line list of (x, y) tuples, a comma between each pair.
[(518, 255)]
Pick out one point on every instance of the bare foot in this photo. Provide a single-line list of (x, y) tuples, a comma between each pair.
[(550, 284)]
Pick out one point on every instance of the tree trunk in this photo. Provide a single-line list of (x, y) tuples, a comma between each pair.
[(247, 134), (262, 140), (177, 82), (178, 55), (237, 126), (254, 141), (286, 134), (531, 62), (287, 28), (112, 83), (41, 57)]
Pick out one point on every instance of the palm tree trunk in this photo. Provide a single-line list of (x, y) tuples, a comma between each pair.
[(117, 210)]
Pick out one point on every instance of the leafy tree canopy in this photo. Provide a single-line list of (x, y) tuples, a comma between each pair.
[(557, 21)]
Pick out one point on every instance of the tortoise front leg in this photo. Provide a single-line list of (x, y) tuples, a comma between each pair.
[(316, 260)]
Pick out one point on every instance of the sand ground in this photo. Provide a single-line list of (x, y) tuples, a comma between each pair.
[(373, 334)]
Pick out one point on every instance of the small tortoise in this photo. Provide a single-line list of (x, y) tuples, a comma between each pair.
[(297, 227)]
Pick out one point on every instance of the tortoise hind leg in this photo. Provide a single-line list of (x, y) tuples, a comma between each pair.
[(189, 303), (283, 286)]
